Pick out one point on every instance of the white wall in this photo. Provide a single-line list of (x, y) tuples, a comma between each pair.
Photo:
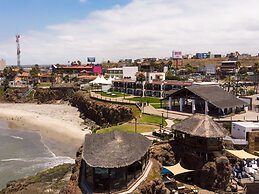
[(239, 131), (130, 72), (154, 75)]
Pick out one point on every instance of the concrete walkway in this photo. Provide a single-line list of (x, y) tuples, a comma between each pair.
[(146, 109)]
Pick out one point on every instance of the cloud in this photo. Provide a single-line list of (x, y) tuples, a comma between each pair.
[(82, 1), (144, 28)]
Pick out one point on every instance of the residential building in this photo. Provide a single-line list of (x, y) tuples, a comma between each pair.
[(229, 67), (210, 69), (247, 132), (152, 88), (129, 72), (115, 72), (240, 130)]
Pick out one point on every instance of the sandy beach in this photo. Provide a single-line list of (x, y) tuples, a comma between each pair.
[(58, 122)]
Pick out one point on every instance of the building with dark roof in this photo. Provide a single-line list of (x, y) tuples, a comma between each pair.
[(114, 161), (152, 88), (199, 134), (208, 99)]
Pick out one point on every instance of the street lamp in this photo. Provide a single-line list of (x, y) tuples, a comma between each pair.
[(135, 124)]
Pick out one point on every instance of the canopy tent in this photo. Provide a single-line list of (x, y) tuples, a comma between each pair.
[(242, 154), (100, 80), (110, 80), (177, 169)]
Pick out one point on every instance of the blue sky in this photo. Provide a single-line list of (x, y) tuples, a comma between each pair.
[(20, 16), (58, 31)]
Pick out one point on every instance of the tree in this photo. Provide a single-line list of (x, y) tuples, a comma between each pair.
[(190, 68), (9, 75), (140, 76), (170, 76), (79, 63), (229, 81), (35, 73)]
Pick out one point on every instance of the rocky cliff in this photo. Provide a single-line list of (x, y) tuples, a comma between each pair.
[(102, 113), (48, 181)]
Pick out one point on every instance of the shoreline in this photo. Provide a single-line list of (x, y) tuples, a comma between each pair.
[(58, 125)]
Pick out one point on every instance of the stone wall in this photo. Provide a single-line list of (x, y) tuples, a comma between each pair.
[(102, 113)]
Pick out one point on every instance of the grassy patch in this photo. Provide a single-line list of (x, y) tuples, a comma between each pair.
[(56, 173), (130, 128), (112, 94), (155, 172), (135, 110), (155, 105), (152, 119), (177, 121), (1, 90), (145, 99)]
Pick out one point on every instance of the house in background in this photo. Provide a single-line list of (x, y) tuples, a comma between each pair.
[(229, 67)]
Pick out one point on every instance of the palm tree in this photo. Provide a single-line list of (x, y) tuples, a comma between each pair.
[(230, 81)]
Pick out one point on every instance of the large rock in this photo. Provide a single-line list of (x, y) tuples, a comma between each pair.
[(216, 175), (102, 113), (53, 94), (163, 153)]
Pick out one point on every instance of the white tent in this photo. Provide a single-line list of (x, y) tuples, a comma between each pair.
[(110, 80), (100, 80)]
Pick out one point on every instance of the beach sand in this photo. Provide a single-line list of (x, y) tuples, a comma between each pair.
[(54, 122)]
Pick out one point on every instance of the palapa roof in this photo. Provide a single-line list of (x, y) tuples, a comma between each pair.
[(114, 150), (202, 126), (214, 95)]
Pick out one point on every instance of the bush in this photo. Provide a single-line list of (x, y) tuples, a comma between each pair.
[(250, 92)]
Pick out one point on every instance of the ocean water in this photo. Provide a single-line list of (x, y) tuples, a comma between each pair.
[(24, 153)]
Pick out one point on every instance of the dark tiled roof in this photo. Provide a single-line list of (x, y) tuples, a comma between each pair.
[(214, 95), (202, 126), (115, 149)]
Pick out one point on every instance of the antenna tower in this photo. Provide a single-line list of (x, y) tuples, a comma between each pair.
[(18, 50)]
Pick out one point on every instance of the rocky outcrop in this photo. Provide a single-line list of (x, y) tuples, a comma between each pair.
[(48, 181), (163, 153), (18, 95), (215, 175), (154, 183), (102, 113), (155, 186), (72, 186), (53, 94)]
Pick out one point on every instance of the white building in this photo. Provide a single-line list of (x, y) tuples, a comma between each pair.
[(210, 69), (2, 64), (129, 72), (155, 76), (239, 130)]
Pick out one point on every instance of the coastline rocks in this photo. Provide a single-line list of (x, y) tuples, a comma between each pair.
[(102, 113), (72, 186), (48, 181), (53, 94), (163, 153), (154, 183), (216, 175)]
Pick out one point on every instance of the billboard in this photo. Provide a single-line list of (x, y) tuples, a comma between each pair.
[(177, 55), (91, 59)]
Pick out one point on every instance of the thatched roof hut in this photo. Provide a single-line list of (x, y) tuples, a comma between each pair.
[(202, 126), (115, 149)]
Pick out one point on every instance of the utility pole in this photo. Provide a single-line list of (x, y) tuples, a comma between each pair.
[(18, 50)]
